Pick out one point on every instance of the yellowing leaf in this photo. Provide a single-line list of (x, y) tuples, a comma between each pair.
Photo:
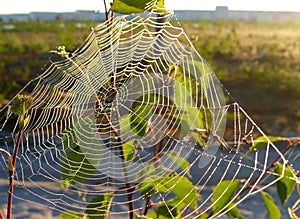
[(21, 104), (26, 120)]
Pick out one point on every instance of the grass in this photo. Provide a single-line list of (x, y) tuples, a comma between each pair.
[(258, 62)]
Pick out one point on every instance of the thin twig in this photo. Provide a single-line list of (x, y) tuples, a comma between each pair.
[(11, 170), (106, 12)]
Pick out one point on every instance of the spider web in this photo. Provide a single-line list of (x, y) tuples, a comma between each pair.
[(135, 103)]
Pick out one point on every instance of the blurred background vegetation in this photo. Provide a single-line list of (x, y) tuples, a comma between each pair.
[(258, 62)]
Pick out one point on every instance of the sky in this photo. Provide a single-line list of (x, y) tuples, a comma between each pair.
[(25, 6)]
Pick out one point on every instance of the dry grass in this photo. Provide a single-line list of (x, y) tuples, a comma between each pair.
[(257, 62)]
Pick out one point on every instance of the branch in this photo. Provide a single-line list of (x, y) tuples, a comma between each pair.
[(11, 170)]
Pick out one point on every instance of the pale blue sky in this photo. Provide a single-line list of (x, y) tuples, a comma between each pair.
[(25, 6)]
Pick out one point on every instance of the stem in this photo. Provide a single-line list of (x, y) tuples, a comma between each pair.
[(130, 189), (106, 12), (11, 167), (147, 206)]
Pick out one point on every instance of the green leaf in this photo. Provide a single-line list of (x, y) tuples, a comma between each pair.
[(203, 216), (125, 124), (262, 142), (152, 171), (178, 185), (75, 167), (192, 119), (285, 185), (136, 216), (182, 163), (99, 207), (168, 211), (176, 202), (134, 6), (233, 212), (129, 151), (198, 68), (273, 210), (152, 214), (72, 215), (139, 119), (223, 194)]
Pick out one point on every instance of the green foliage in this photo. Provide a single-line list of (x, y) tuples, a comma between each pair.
[(286, 184), (99, 207), (72, 215), (134, 7), (129, 150), (203, 216), (75, 167), (139, 119), (169, 210), (233, 212), (136, 216), (166, 210), (273, 210), (182, 163), (250, 69), (221, 47), (262, 142), (224, 193), (178, 185)]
